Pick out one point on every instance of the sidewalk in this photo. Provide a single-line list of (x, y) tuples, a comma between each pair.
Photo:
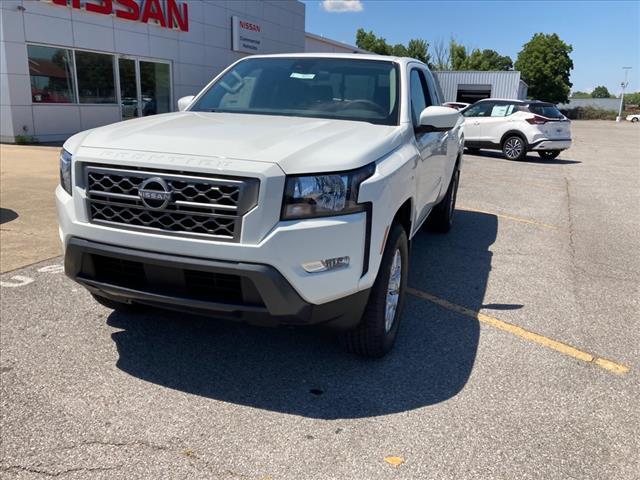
[(28, 225)]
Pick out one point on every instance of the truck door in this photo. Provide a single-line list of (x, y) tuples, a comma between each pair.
[(429, 146)]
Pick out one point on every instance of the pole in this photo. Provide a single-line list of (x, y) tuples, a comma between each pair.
[(623, 85)]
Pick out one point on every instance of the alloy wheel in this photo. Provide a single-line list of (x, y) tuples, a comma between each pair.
[(513, 148)]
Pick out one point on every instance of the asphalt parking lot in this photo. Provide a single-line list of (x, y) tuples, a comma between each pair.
[(518, 355)]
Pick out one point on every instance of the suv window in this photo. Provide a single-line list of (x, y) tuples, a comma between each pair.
[(502, 109), (548, 110), (419, 96), (482, 109)]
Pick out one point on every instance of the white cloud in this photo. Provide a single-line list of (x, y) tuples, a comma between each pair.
[(342, 6)]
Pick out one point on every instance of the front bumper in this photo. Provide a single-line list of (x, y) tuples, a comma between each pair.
[(551, 144), (255, 293)]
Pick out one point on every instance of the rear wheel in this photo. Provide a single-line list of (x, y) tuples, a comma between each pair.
[(514, 148), (376, 333), (635, 119), (441, 217), (548, 154)]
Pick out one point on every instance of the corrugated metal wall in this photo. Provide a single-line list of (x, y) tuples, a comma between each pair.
[(503, 84)]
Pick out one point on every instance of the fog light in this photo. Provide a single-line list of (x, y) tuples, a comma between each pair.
[(326, 265)]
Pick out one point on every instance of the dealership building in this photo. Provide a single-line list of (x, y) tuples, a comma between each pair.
[(70, 65)]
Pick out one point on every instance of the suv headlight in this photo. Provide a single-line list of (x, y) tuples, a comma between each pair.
[(65, 170), (323, 194)]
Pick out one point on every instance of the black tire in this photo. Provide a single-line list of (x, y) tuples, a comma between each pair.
[(373, 337), (514, 148), (548, 154), (635, 119), (441, 217), (114, 305), (472, 151)]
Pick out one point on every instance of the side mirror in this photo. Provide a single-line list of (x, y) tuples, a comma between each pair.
[(438, 119), (184, 102)]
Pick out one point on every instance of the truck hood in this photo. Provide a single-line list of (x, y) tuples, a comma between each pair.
[(297, 145)]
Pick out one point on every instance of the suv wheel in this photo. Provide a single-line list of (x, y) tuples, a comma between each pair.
[(514, 148), (548, 154), (377, 331), (441, 217), (635, 119)]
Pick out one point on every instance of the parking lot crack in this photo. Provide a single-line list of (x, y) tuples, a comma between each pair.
[(50, 473), (135, 443)]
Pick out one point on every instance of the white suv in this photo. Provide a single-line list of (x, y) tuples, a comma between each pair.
[(285, 193), (516, 127)]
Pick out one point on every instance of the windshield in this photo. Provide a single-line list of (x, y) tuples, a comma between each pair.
[(546, 110), (344, 89)]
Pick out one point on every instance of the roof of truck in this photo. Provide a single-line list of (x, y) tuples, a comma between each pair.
[(351, 56)]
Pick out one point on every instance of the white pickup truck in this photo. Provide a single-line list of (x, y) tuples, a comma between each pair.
[(285, 193)]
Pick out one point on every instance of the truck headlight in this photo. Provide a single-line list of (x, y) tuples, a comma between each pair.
[(65, 170), (323, 194)]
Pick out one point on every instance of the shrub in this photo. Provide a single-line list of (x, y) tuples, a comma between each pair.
[(25, 139), (590, 113)]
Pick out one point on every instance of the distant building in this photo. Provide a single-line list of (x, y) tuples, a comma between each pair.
[(318, 44), (599, 103), (471, 86)]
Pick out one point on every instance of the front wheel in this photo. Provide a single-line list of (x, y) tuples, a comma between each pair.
[(376, 333), (548, 154), (514, 148), (635, 119)]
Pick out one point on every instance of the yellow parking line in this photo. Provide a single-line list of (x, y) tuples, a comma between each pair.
[(510, 217), (522, 333)]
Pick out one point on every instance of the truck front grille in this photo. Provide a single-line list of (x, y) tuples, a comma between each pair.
[(170, 202)]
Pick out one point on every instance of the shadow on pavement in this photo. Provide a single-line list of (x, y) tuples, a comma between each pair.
[(530, 158), (7, 215), (304, 372)]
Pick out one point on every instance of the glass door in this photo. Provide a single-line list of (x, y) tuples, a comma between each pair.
[(129, 98), (155, 85), (145, 87)]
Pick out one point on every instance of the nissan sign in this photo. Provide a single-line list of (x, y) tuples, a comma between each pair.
[(166, 14), (247, 35)]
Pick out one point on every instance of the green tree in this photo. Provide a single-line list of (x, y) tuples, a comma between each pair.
[(399, 50), (632, 98), (418, 49), (546, 66), (487, 60), (578, 94), (370, 42), (458, 55), (600, 92)]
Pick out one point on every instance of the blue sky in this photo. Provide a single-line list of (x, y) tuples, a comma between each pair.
[(605, 35)]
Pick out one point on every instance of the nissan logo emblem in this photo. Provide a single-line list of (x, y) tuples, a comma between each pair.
[(154, 193)]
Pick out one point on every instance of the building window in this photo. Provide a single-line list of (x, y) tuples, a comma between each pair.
[(51, 72), (96, 77)]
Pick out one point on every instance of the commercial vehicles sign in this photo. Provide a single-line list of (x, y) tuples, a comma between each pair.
[(247, 35)]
